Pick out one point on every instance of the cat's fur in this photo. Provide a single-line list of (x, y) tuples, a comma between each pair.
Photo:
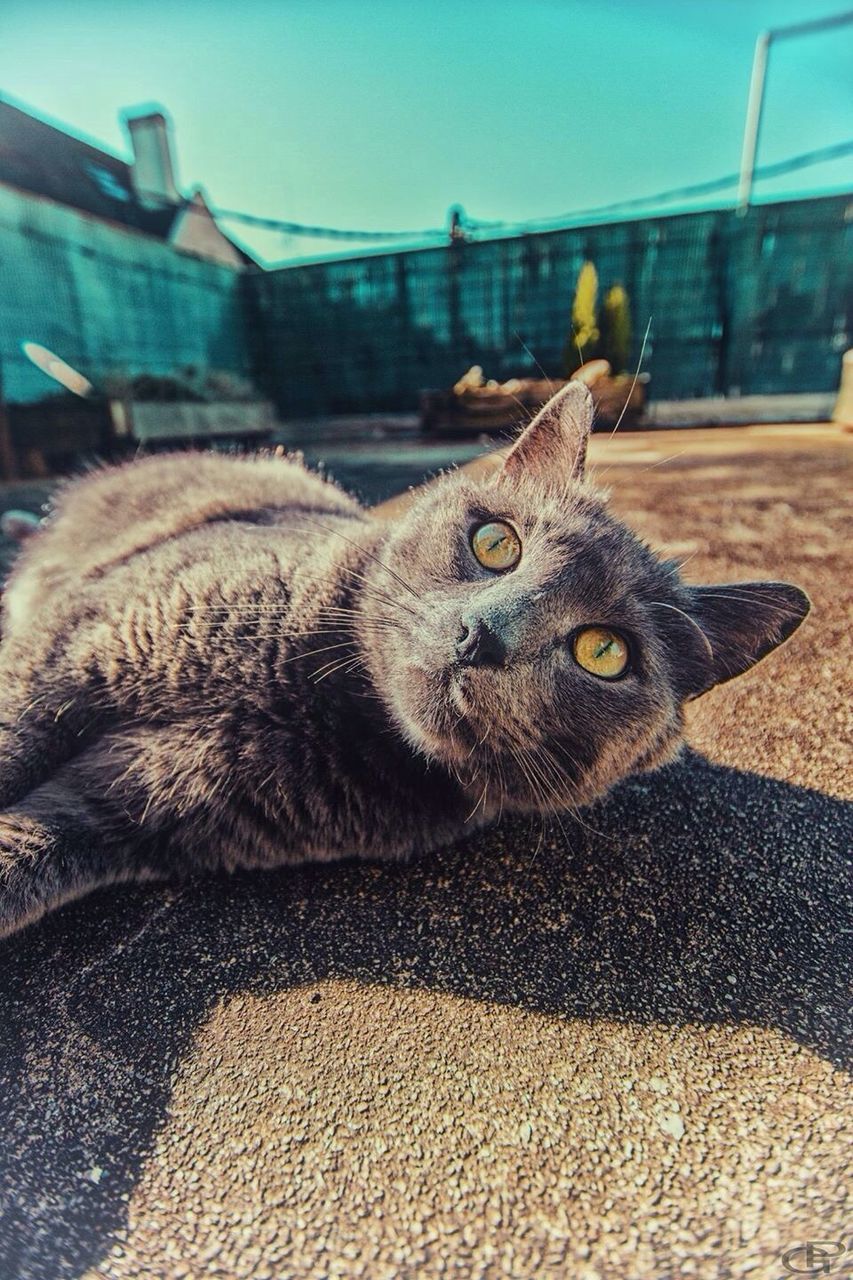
[(213, 662)]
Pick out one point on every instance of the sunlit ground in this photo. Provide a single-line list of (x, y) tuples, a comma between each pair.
[(605, 1052)]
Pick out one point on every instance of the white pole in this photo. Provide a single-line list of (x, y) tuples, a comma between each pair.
[(753, 120), (756, 92)]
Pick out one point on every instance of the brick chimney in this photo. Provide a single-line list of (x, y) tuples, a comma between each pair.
[(153, 170)]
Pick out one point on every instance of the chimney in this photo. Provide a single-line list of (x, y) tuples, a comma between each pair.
[(152, 171)]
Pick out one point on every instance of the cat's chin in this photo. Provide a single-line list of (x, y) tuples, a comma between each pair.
[(433, 710)]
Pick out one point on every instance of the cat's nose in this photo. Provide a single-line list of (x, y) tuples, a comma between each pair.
[(478, 645)]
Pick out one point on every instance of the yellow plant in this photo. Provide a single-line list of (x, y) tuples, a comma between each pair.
[(582, 341), (616, 328), (584, 317)]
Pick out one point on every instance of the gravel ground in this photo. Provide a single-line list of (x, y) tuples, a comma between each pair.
[(604, 1050)]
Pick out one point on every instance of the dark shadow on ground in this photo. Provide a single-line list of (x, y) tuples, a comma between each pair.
[(703, 895)]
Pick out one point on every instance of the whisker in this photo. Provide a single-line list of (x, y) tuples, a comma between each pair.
[(479, 802), (634, 380), (571, 807), (662, 462), (744, 597), (338, 664), (378, 593), (313, 652), (337, 533), (599, 475), (501, 788), (535, 361), (660, 604), (528, 413)]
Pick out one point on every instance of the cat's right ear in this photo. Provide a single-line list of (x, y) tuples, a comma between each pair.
[(552, 449)]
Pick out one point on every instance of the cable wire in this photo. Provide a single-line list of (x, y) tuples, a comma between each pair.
[(802, 161)]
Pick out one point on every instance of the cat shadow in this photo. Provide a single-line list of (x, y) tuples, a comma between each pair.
[(700, 894)]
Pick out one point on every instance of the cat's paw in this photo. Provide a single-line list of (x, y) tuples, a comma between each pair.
[(19, 766), (28, 877), (14, 784)]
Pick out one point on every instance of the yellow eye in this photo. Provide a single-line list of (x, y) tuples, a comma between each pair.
[(601, 652), (496, 545)]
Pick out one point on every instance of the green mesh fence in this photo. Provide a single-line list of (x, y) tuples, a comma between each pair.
[(738, 305)]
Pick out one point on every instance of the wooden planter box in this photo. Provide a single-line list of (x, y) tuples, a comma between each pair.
[(483, 409)]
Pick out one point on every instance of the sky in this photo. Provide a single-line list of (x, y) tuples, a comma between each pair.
[(380, 114)]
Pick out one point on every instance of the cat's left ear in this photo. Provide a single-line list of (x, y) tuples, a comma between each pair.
[(552, 449), (742, 622)]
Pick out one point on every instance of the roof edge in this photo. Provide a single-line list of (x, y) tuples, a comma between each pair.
[(10, 101)]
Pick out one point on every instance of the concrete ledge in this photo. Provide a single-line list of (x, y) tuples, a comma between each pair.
[(736, 410)]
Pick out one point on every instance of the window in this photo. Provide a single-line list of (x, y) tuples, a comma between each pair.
[(108, 183)]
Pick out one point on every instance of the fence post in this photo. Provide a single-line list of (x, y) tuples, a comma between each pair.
[(743, 258), (720, 258), (454, 302), (404, 356)]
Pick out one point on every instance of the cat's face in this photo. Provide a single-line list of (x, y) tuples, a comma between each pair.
[(543, 652)]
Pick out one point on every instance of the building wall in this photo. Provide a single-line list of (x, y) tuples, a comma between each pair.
[(107, 300), (195, 231), (738, 305)]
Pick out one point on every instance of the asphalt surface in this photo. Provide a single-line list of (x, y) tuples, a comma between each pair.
[(614, 1049)]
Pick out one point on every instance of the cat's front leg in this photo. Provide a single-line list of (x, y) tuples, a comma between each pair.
[(54, 848), (48, 709)]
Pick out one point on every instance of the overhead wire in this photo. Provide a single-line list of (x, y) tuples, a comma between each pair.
[(806, 159)]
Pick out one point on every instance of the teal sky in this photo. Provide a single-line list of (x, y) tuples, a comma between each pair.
[(381, 114)]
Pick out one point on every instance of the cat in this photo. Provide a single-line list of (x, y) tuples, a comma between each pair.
[(219, 662)]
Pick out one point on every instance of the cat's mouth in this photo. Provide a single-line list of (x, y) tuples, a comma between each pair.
[(441, 712), (454, 716), (458, 686)]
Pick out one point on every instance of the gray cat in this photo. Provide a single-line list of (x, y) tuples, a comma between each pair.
[(213, 662)]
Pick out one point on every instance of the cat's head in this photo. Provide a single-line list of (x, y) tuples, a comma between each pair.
[(539, 645)]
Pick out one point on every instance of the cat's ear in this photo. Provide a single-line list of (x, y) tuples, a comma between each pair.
[(742, 622), (552, 449)]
